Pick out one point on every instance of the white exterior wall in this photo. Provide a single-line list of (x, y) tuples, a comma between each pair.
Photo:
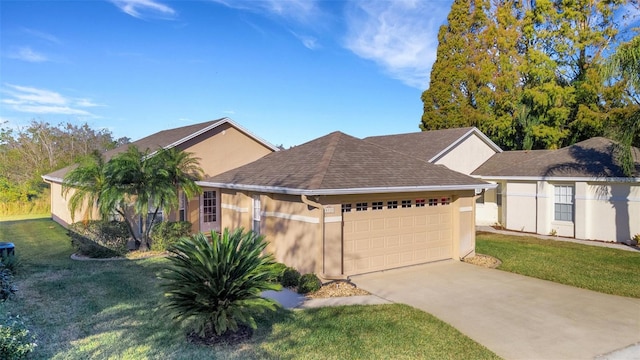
[(520, 212), (487, 212), (467, 155), (612, 211)]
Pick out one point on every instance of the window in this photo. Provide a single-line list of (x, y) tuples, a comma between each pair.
[(499, 195), (362, 206), (406, 203), (182, 207), (392, 204), (563, 203), (420, 202), (346, 208), (433, 202), (257, 208), (445, 201), (209, 206), (377, 205)]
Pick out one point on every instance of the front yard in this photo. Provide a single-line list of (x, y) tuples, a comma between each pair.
[(109, 309), (605, 270)]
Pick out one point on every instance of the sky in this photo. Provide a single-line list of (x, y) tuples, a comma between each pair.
[(287, 70)]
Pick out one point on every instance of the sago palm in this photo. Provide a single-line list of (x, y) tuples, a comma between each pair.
[(217, 284)]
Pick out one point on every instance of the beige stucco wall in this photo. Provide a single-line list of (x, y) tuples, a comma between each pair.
[(60, 212), (467, 156), (235, 208), (224, 148)]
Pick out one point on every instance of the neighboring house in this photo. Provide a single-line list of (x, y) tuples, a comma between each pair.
[(578, 191), (339, 206), (220, 145)]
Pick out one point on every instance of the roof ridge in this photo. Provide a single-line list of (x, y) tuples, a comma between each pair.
[(323, 165)]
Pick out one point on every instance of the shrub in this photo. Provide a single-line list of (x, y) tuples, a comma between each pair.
[(167, 233), (6, 284), (216, 285), (309, 283), (10, 262), (100, 239), (278, 269), (16, 342), (290, 277)]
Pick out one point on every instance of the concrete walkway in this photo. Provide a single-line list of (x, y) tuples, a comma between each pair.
[(515, 316), (292, 300), (612, 245)]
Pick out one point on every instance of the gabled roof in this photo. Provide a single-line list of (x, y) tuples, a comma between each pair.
[(341, 164), (592, 158), (166, 139), (430, 145)]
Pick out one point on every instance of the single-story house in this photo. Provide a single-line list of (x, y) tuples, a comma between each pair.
[(339, 206), (220, 145), (578, 191)]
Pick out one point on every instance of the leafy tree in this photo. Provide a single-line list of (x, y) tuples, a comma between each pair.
[(135, 185), (625, 65), (217, 283), (525, 72)]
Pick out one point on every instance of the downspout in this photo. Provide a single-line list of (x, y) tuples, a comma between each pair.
[(319, 206)]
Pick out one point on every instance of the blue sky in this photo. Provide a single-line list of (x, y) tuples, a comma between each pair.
[(289, 71)]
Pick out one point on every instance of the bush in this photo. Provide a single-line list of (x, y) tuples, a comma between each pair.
[(100, 239), (217, 284), (309, 283), (278, 269), (167, 233), (16, 342), (290, 277), (6, 284), (10, 262)]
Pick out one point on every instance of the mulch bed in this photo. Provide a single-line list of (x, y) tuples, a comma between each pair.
[(484, 261), (337, 288)]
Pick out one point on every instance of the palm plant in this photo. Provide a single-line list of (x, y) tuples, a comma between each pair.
[(87, 181), (217, 284)]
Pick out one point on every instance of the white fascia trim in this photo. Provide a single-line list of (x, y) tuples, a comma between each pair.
[(51, 178), (560, 178), (353, 191), (220, 122), (462, 138)]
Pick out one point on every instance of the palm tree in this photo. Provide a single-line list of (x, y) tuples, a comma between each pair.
[(87, 181), (625, 64), (135, 184)]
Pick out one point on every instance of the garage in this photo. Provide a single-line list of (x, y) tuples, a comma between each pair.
[(390, 233)]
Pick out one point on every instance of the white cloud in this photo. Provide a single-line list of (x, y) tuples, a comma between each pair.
[(42, 35), (400, 36), (29, 99), (298, 10), (27, 54), (142, 9), (309, 42)]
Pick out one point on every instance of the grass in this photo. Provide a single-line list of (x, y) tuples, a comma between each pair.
[(24, 217), (601, 269), (110, 310)]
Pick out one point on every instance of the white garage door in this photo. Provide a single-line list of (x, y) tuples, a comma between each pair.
[(382, 235)]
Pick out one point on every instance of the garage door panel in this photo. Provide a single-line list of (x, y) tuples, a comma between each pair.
[(383, 239)]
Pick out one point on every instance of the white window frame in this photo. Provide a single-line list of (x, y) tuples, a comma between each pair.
[(563, 199)]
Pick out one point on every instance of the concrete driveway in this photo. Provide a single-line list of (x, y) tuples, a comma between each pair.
[(515, 316)]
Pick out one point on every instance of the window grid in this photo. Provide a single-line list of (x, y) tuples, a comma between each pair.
[(445, 201), (392, 204), (563, 203), (406, 203), (362, 206), (376, 205), (209, 206), (346, 208), (433, 202), (420, 202)]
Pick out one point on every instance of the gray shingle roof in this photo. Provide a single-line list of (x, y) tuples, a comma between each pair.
[(340, 161), (161, 139), (423, 145), (592, 158)]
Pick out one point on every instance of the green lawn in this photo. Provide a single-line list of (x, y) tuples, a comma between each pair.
[(109, 310), (601, 269)]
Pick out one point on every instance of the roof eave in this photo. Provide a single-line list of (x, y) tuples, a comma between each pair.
[(346, 191), (560, 178)]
